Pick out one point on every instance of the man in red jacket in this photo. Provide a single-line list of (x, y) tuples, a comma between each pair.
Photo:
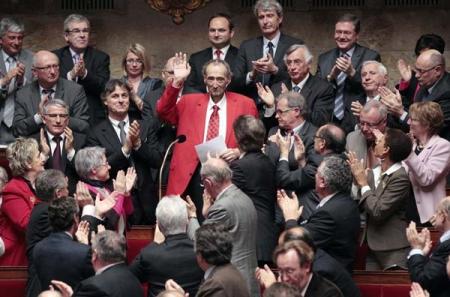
[(200, 117)]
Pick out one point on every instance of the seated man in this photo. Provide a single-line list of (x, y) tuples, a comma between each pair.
[(31, 98), (175, 258), (59, 256), (429, 269), (213, 245)]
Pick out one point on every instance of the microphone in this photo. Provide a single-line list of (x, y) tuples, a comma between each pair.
[(179, 139)]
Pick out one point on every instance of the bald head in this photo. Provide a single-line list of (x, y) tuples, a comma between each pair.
[(216, 176), (43, 55), (46, 68), (49, 293), (430, 67), (330, 140)]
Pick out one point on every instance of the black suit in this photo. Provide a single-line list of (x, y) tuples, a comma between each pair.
[(60, 257), (319, 95), (97, 66), (115, 281), (254, 174), (252, 50), (430, 271), (146, 157), (335, 228), (194, 82), (322, 287), (440, 94), (353, 90), (173, 259)]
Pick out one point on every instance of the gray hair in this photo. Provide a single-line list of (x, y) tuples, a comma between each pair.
[(436, 58), (381, 68), (375, 104), (20, 154), (295, 99), (336, 174), (216, 62), (55, 102), (217, 170), (11, 25), (88, 159), (77, 18), (171, 215), (266, 5), (110, 247), (48, 182), (306, 54)]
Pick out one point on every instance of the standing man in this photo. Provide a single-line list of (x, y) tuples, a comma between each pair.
[(48, 85), (15, 72), (229, 206), (200, 117), (261, 59), (83, 64), (220, 32), (319, 94), (342, 67)]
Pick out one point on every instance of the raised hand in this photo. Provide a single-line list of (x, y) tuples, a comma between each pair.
[(356, 108), (68, 143), (191, 209), (82, 233), (102, 206), (82, 195), (45, 148), (284, 89), (130, 179), (284, 144), (120, 183), (344, 64), (404, 70), (289, 206), (134, 134), (393, 101), (299, 150), (266, 95), (358, 169), (181, 68), (265, 276)]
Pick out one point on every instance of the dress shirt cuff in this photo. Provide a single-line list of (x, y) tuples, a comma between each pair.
[(415, 252), (70, 155), (269, 111), (248, 79), (126, 155), (69, 76), (283, 159), (89, 210), (364, 189), (37, 119), (403, 116), (291, 224)]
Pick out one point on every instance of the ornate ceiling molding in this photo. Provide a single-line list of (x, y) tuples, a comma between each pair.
[(177, 9)]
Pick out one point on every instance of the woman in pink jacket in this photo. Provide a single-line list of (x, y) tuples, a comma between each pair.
[(429, 162)]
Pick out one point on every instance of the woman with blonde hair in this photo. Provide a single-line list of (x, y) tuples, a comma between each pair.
[(136, 66)]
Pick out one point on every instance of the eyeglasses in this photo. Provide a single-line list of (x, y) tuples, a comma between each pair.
[(423, 71), (104, 164), (48, 68), (279, 111), (131, 62), (55, 115), (78, 31), (370, 125)]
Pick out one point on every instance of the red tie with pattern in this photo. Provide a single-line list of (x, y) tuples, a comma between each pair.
[(213, 126), (218, 53)]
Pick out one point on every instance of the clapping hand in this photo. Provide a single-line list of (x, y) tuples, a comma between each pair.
[(105, 203), (393, 101), (265, 65), (45, 148), (289, 206), (404, 69), (356, 108), (284, 144), (344, 64), (82, 233), (82, 195), (265, 276), (358, 170), (299, 150), (421, 241), (265, 94)]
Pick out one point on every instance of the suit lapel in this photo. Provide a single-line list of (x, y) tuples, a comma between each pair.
[(356, 57), (306, 90), (259, 50), (59, 90), (35, 97), (66, 61), (231, 114), (2, 64), (88, 58), (110, 135), (199, 121), (282, 47)]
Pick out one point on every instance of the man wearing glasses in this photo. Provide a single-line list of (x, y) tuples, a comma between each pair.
[(48, 85), (83, 64)]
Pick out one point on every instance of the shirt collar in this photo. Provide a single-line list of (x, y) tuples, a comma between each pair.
[(307, 285), (116, 122), (298, 128), (274, 41), (209, 271), (377, 98), (223, 191), (302, 83), (6, 56), (50, 135), (349, 52), (73, 53), (223, 49), (106, 267), (325, 200), (445, 236), (394, 167), (220, 104), (52, 88)]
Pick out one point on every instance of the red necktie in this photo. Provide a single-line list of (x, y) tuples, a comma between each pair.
[(218, 53), (213, 126)]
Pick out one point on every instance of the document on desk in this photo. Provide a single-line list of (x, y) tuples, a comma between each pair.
[(214, 147)]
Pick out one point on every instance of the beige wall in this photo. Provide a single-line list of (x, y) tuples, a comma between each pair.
[(393, 33)]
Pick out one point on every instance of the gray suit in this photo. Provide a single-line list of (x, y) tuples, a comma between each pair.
[(357, 143), (236, 211), (7, 96), (27, 105)]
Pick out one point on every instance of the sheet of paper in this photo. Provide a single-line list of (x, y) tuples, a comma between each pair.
[(215, 146)]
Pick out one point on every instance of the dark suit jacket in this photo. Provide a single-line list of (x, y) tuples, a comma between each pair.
[(430, 271), (440, 94), (289, 176), (327, 267), (252, 50), (173, 259), (353, 89), (146, 157), (319, 95), (322, 287), (97, 65), (335, 228), (195, 81), (38, 228), (254, 174), (224, 281), (60, 257), (115, 281), (27, 105)]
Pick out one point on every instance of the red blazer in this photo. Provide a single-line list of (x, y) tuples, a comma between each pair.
[(18, 201), (189, 116)]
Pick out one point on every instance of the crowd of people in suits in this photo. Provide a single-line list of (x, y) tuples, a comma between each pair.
[(306, 162)]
